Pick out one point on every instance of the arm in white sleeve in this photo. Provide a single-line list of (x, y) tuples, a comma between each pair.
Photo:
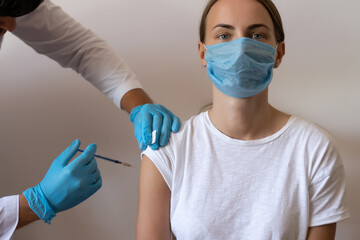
[(9, 216), (52, 32)]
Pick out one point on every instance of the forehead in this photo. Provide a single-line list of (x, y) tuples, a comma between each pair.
[(239, 13)]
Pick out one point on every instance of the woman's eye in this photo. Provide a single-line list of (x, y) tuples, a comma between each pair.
[(257, 36), (223, 37)]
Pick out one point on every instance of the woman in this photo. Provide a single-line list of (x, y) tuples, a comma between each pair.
[(242, 170)]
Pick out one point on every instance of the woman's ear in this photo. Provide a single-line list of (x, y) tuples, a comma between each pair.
[(280, 52), (202, 51)]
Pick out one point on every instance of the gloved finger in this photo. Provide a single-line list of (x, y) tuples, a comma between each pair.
[(86, 156), (142, 145), (176, 124), (157, 124), (93, 188), (146, 123), (96, 185), (91, 166), (165, 130), (64, 158), (95, 176)]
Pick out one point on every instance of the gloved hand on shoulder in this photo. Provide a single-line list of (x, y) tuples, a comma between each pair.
[(149, 118)]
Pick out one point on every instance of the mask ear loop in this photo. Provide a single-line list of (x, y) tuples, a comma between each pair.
[(205, 65), (276, 63)]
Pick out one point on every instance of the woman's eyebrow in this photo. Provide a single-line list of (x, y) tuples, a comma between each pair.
[(253, 26), (222, 25)]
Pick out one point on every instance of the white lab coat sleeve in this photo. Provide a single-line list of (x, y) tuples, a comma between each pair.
[(9, 216), (52, 32)]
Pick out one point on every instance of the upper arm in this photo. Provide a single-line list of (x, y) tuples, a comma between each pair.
[(324, 232), (153, 219), (52, 32)]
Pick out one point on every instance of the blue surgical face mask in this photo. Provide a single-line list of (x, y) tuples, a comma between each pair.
[(241, 68)]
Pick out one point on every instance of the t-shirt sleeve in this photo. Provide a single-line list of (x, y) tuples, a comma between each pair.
[(162, 159), (327, 190)]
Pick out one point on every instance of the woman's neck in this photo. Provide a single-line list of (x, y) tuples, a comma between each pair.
[(246, 119)]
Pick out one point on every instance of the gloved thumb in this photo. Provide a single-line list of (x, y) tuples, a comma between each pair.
[(64, 158)]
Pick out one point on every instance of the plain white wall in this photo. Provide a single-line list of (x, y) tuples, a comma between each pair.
[(44, 107)]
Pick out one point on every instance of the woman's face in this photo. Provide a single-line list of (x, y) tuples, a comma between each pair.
[(232, 19)]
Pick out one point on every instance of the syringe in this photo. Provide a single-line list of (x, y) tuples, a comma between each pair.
[(125, 164)]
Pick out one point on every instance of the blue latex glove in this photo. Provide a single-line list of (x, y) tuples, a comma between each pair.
[(65, 185), (153, 117)]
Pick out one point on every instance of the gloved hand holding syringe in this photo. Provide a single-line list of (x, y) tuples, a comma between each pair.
[(67, 183)]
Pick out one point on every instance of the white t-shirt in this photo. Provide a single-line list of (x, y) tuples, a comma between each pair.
[(9, 216), (271, 188), (52, 32)]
